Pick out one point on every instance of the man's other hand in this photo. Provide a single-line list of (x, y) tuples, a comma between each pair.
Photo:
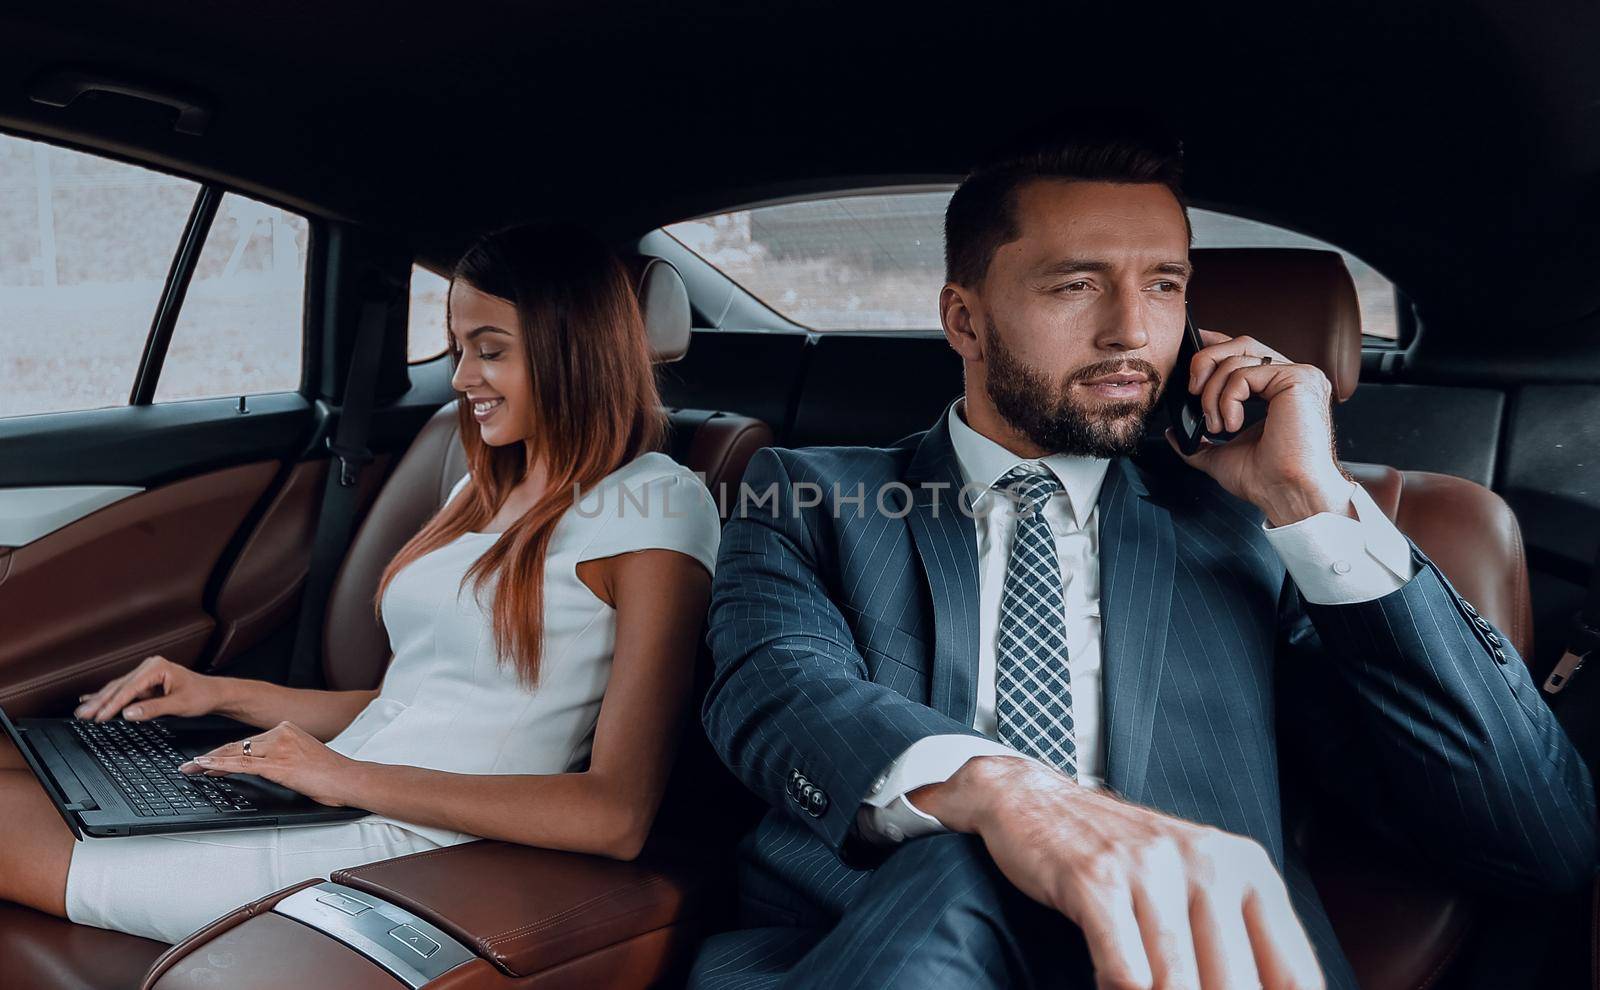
[(1162, 902)]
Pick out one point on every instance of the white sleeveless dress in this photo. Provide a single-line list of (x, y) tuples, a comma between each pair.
[(446, 703)]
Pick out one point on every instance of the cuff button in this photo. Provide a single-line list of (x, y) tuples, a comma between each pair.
[(817, 803), (1341, 567)]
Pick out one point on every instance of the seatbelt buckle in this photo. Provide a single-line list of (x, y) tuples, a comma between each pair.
[(350, 461), (1585, 640), (1569, 664)]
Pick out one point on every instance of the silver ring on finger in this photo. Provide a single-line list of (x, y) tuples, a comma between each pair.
[(247, 748)]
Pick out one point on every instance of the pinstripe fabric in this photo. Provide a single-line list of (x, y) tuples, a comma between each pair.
[(842, 636), (937, 914)]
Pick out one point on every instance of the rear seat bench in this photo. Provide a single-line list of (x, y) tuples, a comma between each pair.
[(538, 917)]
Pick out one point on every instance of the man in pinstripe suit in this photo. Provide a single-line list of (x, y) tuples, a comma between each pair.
[(1011, 691)]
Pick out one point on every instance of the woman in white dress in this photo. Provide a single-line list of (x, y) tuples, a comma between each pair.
[(570, 567)]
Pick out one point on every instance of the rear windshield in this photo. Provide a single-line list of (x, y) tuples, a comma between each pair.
[(875, 261)]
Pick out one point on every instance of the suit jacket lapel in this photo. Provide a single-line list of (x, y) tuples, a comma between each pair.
[(1138, 555), (946, 542)]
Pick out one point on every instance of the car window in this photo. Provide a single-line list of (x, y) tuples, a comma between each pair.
[(875, 261), (427, 331), (85, 246), (241, 328)]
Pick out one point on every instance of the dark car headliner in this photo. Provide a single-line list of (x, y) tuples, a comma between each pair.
[(1456, 147)]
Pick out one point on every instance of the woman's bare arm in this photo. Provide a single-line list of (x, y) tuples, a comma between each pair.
[(661, 598), (157, 687), (323, 714)]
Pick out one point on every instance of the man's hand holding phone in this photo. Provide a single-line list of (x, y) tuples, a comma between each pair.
[(1285, 464)]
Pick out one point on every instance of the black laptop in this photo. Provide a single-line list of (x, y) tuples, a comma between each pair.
[(121, 778)]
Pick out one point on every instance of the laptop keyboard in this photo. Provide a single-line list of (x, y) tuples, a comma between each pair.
[(140, 759)]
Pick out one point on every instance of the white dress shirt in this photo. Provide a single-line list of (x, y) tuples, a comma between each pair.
[(1333, 559)]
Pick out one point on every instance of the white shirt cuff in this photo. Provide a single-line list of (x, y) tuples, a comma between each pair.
[(887, 816), (1336, 560)]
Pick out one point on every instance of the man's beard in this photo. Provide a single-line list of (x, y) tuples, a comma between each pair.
[(1050, 418)]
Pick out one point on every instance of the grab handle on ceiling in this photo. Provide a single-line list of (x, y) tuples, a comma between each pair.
[(60, 87)]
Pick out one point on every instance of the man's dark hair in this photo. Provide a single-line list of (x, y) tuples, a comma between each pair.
[(982, 214)]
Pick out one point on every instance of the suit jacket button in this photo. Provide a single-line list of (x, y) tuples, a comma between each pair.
[(1468, 606), (1499, 655), (817, 803), (1494, 640), (1481, 623)]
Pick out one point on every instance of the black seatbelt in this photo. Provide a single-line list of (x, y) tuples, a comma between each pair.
[(349, 455)]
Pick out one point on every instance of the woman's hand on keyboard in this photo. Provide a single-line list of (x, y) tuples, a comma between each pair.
[(156, 687), (285, 754)]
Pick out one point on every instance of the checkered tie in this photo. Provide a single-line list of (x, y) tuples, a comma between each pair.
[(1033, 688)]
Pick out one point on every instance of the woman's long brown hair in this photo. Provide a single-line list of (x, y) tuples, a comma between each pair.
[(595, 408)]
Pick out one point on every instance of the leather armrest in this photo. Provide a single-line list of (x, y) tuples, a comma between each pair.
[(528, 910), (207, 933)]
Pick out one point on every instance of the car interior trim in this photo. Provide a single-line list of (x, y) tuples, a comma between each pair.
[(173, 292), (26, 514), (406, 945)]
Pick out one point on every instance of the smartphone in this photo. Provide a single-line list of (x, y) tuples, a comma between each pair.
[(1184, 409)]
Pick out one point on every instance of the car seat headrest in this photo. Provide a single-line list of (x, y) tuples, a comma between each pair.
[(664, 303), (1298, 301)]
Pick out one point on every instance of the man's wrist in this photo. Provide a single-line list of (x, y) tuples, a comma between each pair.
[(965, 801), (1304, 499)]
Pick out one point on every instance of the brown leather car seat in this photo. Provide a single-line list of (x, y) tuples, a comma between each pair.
[(1399, 927), (1302, 302), (38, 951)]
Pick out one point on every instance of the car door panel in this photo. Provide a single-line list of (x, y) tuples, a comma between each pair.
[(145, 446), (26, 514), (91, 599), (261, 589)]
